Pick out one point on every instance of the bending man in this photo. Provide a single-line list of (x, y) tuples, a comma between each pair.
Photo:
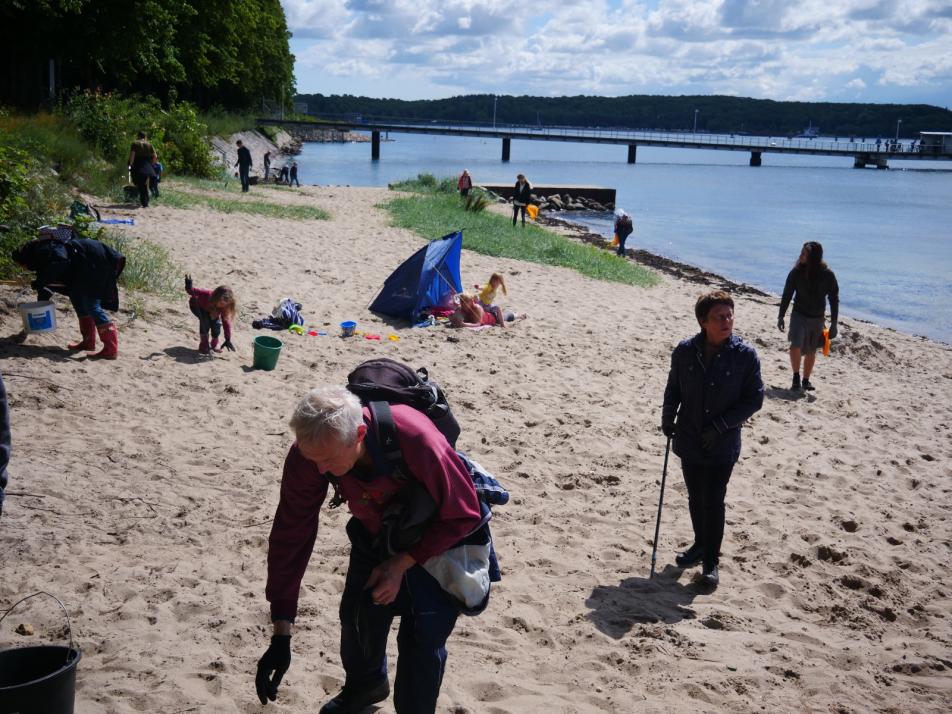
[(336, 443)]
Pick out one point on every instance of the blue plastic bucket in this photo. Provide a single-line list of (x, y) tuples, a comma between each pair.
[(347, 328), (38, 316)]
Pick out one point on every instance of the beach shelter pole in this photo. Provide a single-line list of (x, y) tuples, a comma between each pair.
[(657, 528)]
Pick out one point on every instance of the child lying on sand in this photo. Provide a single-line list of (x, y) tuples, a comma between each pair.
[(472, 314)]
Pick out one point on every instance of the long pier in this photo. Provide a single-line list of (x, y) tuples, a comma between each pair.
[(863, 153)]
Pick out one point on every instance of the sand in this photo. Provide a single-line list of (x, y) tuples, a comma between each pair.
[(142, 492)]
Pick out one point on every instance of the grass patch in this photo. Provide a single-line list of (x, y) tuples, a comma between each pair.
[(182, 199), (433, 214)]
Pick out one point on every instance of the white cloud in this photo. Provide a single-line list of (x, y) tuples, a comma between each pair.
[(801, 49)]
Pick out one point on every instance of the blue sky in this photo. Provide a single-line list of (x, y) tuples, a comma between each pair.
[(808, 50)]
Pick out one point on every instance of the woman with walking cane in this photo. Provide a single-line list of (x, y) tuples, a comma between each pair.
[(713, 387)]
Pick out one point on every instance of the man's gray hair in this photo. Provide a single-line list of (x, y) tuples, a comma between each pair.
[(324, 411)]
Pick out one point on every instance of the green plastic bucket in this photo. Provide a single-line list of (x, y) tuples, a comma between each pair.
[(267, 350)]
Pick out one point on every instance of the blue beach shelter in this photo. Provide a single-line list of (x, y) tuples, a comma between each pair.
[(423, 280)]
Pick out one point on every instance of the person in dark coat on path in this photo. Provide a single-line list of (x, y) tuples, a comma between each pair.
[(142, 156), (713, 387), (294, 176), (244, 165), (84, 269), (267, 164)]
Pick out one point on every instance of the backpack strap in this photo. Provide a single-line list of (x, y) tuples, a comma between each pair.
[(384, 444)]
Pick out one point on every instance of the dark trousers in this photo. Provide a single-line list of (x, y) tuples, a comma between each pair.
[(707, 486), (142, 183), (294, 180), (206, 323), (243, 175), (621, 244), (515, 213), (427, 617)]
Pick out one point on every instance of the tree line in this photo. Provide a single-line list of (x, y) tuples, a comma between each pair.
[(227, 53), (713, 114)]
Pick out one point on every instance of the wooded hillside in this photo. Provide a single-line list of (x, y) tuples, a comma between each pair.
[(230, 53), (716, 114)]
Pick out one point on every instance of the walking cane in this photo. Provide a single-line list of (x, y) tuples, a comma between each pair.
[(657, 528)]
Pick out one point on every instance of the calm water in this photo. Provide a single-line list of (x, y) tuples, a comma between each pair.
[(886, 234)]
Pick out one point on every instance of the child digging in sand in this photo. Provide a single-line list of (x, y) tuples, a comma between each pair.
[(215, 310)]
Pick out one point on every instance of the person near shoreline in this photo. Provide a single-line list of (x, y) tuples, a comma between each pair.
[(142, 157), (4, 440), (283, 176), (244, 165), (215, 309), (465, 183), (623, 229), (520, 198), (84, 269), (294, 176), (336, 443), (810, 284), (713, 387), (267, 164)]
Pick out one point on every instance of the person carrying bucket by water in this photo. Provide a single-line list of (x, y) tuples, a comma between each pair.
[(522, 193), (623, 229), (809, 284), (84, 269), (215, 309), (339, 441), (714, 386)]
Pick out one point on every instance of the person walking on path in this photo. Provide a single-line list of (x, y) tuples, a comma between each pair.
[(85, 270), (267, 164), (157, 169), (336, 442), (294, 178), (714, 386), (4, 440), (810, 285), (520, 198), (623, 229), (142, 156), (464, 184), (244, 165)]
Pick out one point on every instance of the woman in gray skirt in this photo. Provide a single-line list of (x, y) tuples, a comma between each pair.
[(810, 284)]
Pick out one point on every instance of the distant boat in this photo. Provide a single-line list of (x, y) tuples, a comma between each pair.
[(811, 132)]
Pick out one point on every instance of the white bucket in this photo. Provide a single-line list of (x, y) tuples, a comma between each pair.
[(38, 316)]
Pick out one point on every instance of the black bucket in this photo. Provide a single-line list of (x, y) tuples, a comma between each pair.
[(40, 679)]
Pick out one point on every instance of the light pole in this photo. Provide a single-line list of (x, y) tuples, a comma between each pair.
[(898, 122), (695, 120), (495, 99)]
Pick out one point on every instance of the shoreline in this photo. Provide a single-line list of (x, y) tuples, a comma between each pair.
[(694, 274)]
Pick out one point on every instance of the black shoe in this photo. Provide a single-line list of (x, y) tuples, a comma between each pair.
[(796, 382), (692, 556), (807, 387), (709, 576), (353, 700)]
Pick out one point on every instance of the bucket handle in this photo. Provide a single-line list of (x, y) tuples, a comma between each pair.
[(69, 627)]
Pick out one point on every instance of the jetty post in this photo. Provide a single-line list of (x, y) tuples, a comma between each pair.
[(375, 145), (505, 148), (632, 150), (755, 158)]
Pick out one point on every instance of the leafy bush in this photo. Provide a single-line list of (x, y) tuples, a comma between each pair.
[(110, 123), (476, 200), (425, 183), (30, 196)]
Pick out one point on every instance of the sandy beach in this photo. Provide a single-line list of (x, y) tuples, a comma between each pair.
[(142, 491)]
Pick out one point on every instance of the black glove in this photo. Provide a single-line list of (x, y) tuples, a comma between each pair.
[(276, 660), (833, 331), (709, 437), (781, 325), (667, 427), (188, 283), (228, 346)]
